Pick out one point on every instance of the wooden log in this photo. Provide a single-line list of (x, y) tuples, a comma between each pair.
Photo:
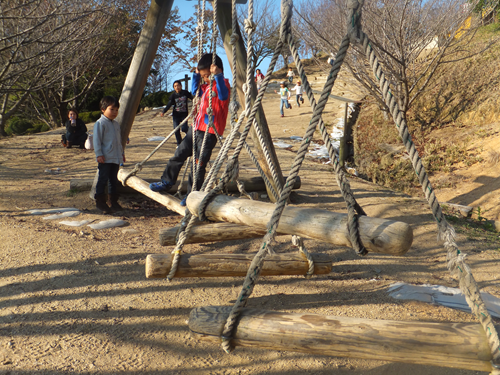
[(213, 232), (255, 183), (231, 265), (142, 186), (377, 235), (456, 345)]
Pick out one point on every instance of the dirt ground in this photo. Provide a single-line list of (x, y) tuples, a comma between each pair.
[(75, 300)]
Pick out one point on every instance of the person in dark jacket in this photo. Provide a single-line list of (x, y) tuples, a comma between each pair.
[(76, 131), (178, 100)]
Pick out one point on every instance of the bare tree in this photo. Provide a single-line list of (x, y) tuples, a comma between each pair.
[(413, 39), (265, 37), (40, 42)]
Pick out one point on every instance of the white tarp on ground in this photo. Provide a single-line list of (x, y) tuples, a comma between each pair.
[(113, 223), (76, 223), (442, 295), (320, 151), (62, 215), (157, 138), (45, 211)]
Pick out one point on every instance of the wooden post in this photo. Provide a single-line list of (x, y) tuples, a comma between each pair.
[(343, 140), (232, 265), (378, 235), (186, 81), (224, 21), (457, 345), (138, 72)]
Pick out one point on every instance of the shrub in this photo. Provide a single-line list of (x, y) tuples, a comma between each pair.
[(88, 117), (17, 125), (156, 99)]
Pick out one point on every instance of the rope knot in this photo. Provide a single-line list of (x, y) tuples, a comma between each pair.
[(234, 107), (234, 39), (210, 111), (246, 89), (249, 26)]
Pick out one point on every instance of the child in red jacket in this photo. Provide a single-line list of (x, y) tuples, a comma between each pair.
[(220, 106)]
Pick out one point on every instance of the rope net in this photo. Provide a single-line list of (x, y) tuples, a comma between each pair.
[(456, 261)]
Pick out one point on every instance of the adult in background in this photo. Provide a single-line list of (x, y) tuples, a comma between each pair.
[(178, 99), (76, 131)]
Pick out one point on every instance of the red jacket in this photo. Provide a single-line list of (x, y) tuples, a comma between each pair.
[(220, 103)]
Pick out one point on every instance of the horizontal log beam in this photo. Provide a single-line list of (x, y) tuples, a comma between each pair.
[(142, 186), (456, 345), (232, 265), (377, 235), (213, 232), (251, 184)]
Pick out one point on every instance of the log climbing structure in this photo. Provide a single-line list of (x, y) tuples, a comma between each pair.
[(467, 346)]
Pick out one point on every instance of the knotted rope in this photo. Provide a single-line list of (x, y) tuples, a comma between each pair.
[(256, 265)]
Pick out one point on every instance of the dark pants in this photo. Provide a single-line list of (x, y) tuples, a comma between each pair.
[(184, 151), (76, 139), (108, 174), (177, 120)]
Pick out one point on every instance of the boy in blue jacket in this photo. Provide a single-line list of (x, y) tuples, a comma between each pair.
[(109, 153)]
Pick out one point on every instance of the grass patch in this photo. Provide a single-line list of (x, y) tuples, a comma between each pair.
[(72, 192)]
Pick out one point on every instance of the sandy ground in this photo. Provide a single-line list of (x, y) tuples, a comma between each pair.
[(75, 300)]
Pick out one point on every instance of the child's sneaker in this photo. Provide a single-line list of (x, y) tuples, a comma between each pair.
[(183, 201), (160, 186), (302, 100)]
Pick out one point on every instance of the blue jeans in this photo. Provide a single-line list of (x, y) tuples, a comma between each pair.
[(108, 174), (184, 128), (284, 102)]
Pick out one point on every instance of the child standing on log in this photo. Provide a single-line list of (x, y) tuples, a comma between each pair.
[(109, 153), (220, 106)]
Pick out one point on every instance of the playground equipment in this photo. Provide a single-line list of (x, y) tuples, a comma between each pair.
[(464, 346)]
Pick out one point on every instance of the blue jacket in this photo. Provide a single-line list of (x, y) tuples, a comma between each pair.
[(108, 141)]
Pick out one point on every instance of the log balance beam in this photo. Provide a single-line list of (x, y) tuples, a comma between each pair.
[(251, 184), (142, 186), (456, 345), (377, 235), (232, 265)]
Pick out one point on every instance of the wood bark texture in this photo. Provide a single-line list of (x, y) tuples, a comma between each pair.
[(377, 235), (456, 345), (142, 186), (230, 265)]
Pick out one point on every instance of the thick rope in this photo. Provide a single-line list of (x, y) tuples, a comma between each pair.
[(299, 242), (353, 208), (256, 265), (138, 166), (456, 260)]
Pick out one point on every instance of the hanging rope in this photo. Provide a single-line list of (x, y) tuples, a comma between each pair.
[(256, 265), (455, 260)]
